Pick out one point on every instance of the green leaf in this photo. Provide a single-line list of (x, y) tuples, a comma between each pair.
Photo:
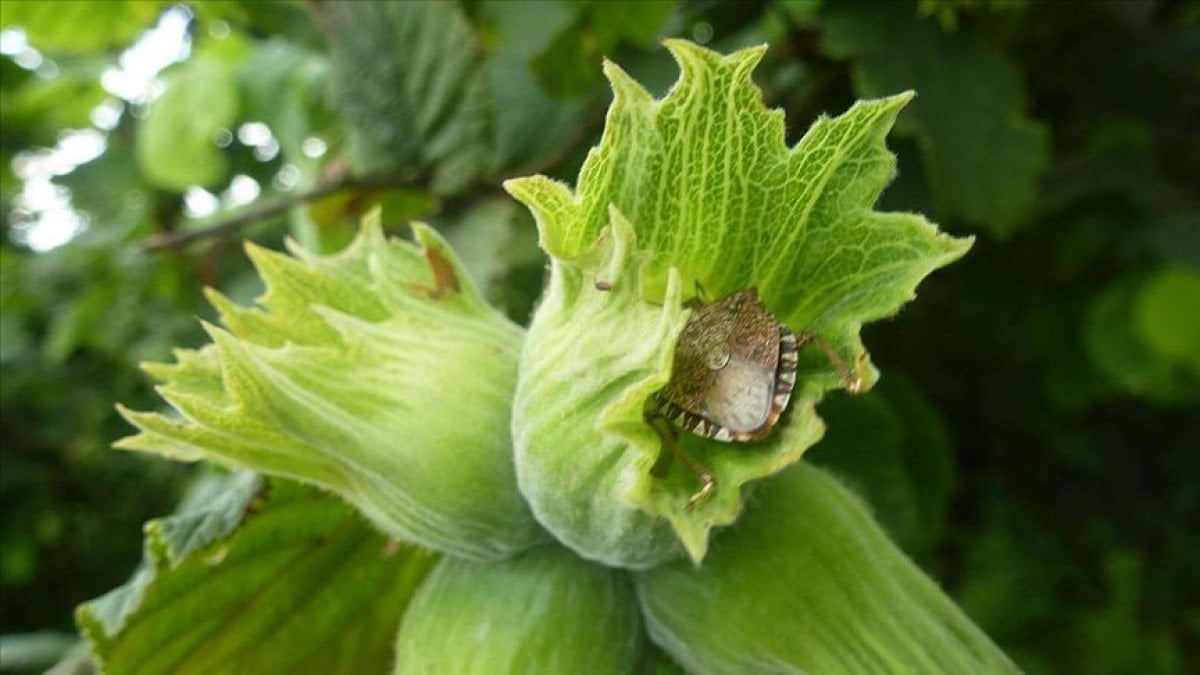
[(949, 12), (712, 195), (983, 155), (257, 578), (566, 66), (109, 190), (62, 102), (894, 447), (80, 25), (280, 84), (378, 373), (809, 583), (1135, 332), (176, 142), (407, 78), (288, 19), (484, 238), (529, 124), (712, 189), (1167, 314), (634, 21), (546, 611), (1112, 638), (802, 12)]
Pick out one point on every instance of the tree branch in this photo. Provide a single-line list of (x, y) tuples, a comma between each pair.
[(177, 238), (272, 207)]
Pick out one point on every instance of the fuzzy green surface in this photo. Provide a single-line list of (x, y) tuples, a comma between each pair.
[(545, 611), (260, 578), (711, 194), (378, 373), (807, 582), (591, 358)]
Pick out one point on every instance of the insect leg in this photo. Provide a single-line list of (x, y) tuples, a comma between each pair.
[(698, 300), (668, 435), (852, 381)]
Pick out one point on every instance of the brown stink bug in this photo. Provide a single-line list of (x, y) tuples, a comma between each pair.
[(734, 371)]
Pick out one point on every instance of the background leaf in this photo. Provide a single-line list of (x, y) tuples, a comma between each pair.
[(893, 447), (529, 122), (1168, 316), (407, 78), (982, 154), (177, 140), (257, 577), (1123, 324), (566, 65), (80, 25)]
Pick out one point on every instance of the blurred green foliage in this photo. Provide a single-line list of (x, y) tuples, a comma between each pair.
[(1032, 443)]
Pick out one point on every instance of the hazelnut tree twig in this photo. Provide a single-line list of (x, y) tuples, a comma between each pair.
[(267, 208), (178, 238)]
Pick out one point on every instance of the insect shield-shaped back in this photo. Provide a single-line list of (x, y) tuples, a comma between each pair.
[(735, 367)]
